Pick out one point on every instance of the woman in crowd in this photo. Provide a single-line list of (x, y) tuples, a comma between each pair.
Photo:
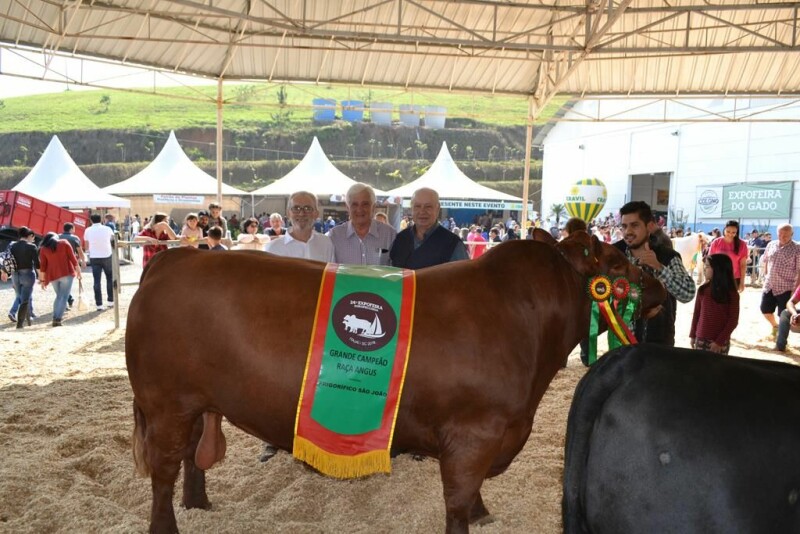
[(191, 233), (58, 266), (716, 307), (733, 247), (24, 278), (250, 239), (157, 229)]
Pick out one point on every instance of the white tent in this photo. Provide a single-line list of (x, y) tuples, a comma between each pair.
[(171, 173), (315, 174), (456, 189), (57, 179)]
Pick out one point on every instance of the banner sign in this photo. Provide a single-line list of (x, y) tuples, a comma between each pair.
[(511, 205), (764, 200), (197, 200)]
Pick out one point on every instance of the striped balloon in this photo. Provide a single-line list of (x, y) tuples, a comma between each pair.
[(586, 198)]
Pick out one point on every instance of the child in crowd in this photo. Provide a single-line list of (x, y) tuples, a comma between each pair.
[(214, 239), (716, 307), (191, 233)]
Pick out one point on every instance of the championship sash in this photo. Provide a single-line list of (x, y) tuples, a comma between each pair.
[(355, 370)]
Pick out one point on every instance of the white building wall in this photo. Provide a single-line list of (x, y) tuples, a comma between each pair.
[(696, 154)]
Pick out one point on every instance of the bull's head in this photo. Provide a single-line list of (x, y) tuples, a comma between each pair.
[(590, 257)]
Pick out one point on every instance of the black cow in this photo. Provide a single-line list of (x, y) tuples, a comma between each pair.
[(664, 440)]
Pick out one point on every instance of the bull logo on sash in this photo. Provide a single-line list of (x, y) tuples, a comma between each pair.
[(364, 321)]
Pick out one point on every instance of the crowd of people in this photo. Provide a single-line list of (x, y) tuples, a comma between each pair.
[(422, 240)]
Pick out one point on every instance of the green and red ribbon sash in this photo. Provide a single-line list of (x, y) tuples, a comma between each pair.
[(355, 369), (606, 297)]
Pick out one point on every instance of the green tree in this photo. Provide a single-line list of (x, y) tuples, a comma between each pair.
[(105, 101), (421, 148), (121, 147), (24, 151), (284, 115)]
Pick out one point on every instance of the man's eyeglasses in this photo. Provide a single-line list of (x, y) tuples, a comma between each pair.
[(302, 209)]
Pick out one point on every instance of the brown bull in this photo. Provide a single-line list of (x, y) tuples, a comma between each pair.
[(469, 397)]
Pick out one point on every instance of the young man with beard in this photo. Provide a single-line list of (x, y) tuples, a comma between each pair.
[(642, 249)]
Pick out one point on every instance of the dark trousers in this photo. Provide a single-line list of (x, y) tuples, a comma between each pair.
[(102, 266)]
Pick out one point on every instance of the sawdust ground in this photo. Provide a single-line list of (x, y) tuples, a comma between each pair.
[(66, 422)]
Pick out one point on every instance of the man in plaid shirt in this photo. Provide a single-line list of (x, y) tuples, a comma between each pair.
[(781, 270), (642, 249)]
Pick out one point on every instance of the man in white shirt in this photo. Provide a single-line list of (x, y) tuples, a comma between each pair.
[(363, 240), (301, 241), (97, 240)]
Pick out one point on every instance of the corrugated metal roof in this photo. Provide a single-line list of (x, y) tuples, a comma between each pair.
[(525, 47)]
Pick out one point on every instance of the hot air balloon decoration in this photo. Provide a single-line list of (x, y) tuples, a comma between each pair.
[(586, 198)]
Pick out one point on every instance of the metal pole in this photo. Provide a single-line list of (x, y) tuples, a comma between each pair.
[(219, 141), (528, 141), (116, 278)]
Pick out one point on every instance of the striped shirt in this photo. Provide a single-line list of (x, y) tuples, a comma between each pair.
[(782, 263), (373, 249)]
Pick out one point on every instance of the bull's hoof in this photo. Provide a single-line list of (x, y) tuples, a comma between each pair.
[(197, 503), (268, 452), (481, 521)]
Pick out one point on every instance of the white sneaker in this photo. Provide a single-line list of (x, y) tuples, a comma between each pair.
[(109, 305), (100, 308)]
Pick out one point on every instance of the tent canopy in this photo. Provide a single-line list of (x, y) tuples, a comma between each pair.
[(57, 179), (171, 173), (315, 173), (456, 189), (523, 47)]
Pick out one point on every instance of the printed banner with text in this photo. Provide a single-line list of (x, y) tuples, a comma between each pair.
[(765, 200)]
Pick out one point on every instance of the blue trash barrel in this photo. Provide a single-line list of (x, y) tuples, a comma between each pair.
[(353, 110), (324, 109)]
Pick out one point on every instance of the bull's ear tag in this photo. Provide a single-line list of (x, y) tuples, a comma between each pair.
[(586, 252)]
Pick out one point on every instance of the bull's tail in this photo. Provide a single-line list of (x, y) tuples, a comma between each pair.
[(590, 395), (139, 446)]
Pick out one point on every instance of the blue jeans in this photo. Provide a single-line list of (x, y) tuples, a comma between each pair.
[(23, 281), (62, 287), (102, 266), (784, 326)]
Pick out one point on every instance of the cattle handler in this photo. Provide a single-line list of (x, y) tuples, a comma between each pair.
[(639, 244)]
